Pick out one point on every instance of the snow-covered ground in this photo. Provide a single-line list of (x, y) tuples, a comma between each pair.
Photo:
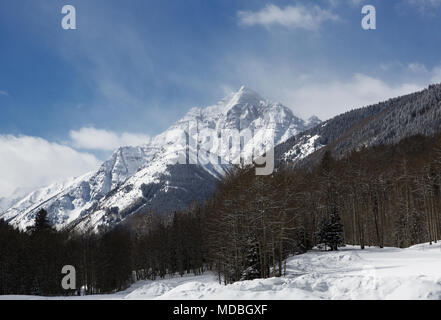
[(350, 273)]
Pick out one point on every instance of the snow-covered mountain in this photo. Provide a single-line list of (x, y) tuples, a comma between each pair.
[(153, 176)]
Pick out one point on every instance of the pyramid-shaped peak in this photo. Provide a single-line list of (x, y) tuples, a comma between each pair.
[(246, 92), (244, 96)]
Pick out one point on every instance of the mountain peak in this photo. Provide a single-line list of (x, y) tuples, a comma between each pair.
[(145, 177), (244, 96), (244, 89), (246, 93)]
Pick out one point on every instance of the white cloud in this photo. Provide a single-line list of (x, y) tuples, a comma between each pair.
[(436, 75), (417, 67), (326, 92), (98, 139), (30, 162), (298, 16), (4, 93), (335, 97), (421, 71)]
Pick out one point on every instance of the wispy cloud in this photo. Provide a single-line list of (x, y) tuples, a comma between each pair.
[(434, 74), (352, 3), (334, 97), (326, 93), (421, 71), (425, 3), (417, 67), (4, 93), (425, 7), (104, 140), (298, 16), (115, 59)]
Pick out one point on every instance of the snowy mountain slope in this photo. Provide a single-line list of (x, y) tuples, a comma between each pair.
[(383, 123), (153, 176), (347, 274), (66, 201), (159, 186), (15, 197)]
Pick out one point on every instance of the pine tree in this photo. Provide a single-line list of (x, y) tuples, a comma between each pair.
[(252, 270), (42, 223), (335, 231), (331, 231)]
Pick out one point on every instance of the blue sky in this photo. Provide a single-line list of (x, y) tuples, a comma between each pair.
[(134, 67)]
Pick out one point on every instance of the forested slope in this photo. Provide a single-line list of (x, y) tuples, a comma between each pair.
[(383, 123)]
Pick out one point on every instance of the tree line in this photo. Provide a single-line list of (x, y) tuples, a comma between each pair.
[(147, 247), (387, 195), (31, 261)]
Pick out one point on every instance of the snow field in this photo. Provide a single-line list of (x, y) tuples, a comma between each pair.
[(350, 273)]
